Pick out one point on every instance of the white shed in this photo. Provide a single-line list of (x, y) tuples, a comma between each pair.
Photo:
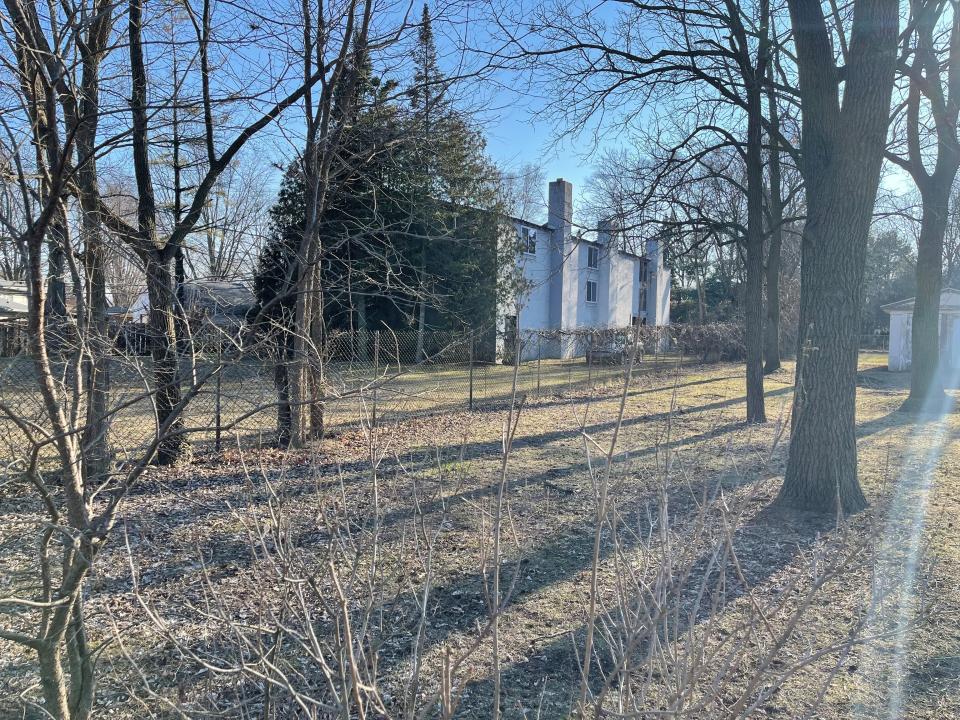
[(901, 324)]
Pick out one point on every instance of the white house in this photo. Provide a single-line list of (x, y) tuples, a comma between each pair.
[(573, 284), (901, 324)]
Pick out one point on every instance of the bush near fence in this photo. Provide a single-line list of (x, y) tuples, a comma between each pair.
[(712, 342)]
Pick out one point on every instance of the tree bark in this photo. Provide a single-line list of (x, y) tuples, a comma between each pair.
[(96, 451), (281, 378), (935, 77), (842, 152), (771, 343), (771, 349), (158, 261), (162, 292), (926, 381), (52, 681), (753, 294)]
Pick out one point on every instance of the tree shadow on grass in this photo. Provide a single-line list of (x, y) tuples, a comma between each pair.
[(548, 674), (302, 485)]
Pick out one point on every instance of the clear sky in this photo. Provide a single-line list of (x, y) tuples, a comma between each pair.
[(515, 136)]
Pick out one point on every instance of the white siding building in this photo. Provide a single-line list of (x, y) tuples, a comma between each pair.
[(571, 284), (900, 352)]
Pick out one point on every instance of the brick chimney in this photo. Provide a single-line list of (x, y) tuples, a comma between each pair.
[(563, 259)]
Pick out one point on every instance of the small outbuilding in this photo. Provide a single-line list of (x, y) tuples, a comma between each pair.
[(901, 326), (13, 300), (223, 303)]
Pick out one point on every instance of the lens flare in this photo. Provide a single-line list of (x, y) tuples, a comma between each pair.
[(900, 551)]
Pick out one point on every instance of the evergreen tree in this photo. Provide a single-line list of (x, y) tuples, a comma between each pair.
[(411, 227), (275, 308)]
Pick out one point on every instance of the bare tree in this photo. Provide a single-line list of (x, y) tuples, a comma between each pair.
[(708, 62), (930, 65)]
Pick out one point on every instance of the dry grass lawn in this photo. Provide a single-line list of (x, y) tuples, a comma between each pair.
[(189, 535)]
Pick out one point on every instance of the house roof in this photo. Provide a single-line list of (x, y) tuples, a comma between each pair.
[(530, 223), (949, 301), (218, 293)]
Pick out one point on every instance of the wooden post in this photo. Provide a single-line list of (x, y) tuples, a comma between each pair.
[(376, 375), (219, 388), (470, 398), (539, 353)]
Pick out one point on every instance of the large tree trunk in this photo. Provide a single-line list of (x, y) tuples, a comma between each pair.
[(162, 291), (753, 293), (701, 301), (56, 287), (926, 381), (771, 331), (281, 378), (420, 351), (318, 389), (822, 467), (842, 150)]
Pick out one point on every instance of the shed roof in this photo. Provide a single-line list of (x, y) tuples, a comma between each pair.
[(949, 302), (219, 294), (13, 298)]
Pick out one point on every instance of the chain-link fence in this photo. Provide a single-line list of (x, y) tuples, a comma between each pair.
[(399, 374), (879, 341)]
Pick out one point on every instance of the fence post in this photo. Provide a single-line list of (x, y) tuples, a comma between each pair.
[(590, 360), (376, 374), (218, 391), (539, 353), (470, 399)]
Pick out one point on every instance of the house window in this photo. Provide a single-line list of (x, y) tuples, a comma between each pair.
[(643, 271), (593, 257), (529, 241), (591, 291)]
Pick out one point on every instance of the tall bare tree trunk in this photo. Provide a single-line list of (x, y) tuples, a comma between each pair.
[(281, 378), (842, 150), (162, 292), (926, 380), (754, 76), (56, 286), (753, 294), (158, 259), (303, 381), (934, 75), (96, 453), (771, 346)]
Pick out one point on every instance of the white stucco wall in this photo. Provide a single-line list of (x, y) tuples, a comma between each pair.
[(589, 314), (534, 306), (623, 291), (899, 354), (556, 278)]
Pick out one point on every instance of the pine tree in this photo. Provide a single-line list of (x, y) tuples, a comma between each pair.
[(412, 219), (273, 314)]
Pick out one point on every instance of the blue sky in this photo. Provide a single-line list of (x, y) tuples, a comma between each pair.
[(515, 137)]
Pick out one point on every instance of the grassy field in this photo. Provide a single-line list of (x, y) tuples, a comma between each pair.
[(189, 535)]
